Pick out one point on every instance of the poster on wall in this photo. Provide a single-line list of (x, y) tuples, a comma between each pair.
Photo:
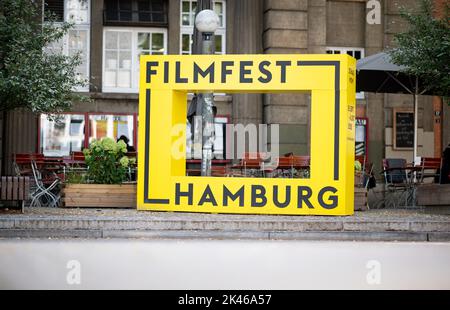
[(361, 137)]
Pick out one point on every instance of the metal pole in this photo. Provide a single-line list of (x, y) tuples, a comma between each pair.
[(416, 117), (207, 100), (416, 124)]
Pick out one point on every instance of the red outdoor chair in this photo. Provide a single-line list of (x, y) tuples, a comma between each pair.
[(22, 164), (220, 171), (430, 168), (252, 162), (78, 156), (292, 162), (300, 162)]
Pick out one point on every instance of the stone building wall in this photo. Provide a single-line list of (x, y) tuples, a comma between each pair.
[(273, 27), (286, 25)]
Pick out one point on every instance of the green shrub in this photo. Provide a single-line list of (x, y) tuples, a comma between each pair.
[(358, 166), (106, 161), (75, 177)]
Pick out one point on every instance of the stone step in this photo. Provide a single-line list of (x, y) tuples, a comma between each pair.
[(227, 235)]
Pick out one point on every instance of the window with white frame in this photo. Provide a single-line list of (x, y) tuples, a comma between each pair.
[(188, 8), (355, 52), (61, 135), (72, 132), (77, 38), (110, 125), (121, 50)]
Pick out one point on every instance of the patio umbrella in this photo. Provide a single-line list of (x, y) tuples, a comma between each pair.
[(378, 74)]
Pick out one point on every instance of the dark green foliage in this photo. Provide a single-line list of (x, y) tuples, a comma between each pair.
[(29, 77), (425, 47)]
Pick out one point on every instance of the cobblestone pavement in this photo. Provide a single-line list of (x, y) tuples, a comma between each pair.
[(417, 214)]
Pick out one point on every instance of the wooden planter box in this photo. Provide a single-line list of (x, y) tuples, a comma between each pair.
[(360, 193), (433, 195), (99, 195), (360, 199), (358, 179)]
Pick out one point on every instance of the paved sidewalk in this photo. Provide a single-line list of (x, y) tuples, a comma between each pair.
[(372, 225)]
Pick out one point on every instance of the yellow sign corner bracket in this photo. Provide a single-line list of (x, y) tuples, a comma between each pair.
[(165, 81)]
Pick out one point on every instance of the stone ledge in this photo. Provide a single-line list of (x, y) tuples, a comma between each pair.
[(280, 225), (226, 235), (5, 223), (408, 224), (183, 234), (352, 236), (440, 236), (124, 224), (377, 226), (431, 226), (49, 233)]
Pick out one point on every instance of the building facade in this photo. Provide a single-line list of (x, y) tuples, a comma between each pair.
[(111, 34)]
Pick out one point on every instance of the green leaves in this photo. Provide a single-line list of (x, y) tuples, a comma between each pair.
[(358, 166), (425, 47), (107, 161), (30, 77)]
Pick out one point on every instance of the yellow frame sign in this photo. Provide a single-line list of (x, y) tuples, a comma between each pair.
[(165, 81)]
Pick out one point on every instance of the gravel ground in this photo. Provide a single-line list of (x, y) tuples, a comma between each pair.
[(400, 215)]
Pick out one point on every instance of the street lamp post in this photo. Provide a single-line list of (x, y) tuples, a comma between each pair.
[(207, 23)]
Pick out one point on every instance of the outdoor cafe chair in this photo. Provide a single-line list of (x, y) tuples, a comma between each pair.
[(44, 188), (22, 163), (301, 163), (398, 181), (285, 165), (220, 171), (75, 163), (290, 163), (430, 167), (78, 159), (270, 166), (252, 164)]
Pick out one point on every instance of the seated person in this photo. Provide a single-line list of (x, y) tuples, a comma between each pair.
[(445, 172), (130, 148)]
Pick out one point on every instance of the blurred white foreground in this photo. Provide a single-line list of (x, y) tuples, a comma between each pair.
[(216, 264)]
